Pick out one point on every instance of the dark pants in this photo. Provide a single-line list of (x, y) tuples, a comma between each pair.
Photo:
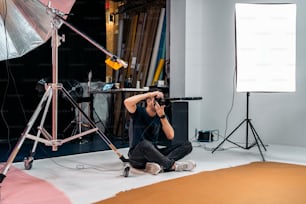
[(145, 152)]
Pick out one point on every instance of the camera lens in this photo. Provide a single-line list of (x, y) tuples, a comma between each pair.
[(160, 101)]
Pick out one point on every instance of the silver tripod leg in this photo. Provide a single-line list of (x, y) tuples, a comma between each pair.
[(46, 98), (42, 122)]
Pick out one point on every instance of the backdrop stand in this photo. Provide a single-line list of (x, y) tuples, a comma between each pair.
[(249, 124)]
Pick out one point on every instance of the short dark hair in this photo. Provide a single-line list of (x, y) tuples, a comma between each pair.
[(152, 89)]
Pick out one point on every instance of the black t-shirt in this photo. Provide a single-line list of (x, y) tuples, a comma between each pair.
[(144, 127)]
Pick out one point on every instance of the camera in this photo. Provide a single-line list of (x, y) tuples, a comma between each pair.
[(160, 101)]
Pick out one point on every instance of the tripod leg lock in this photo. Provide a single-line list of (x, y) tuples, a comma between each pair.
[(123, 159), (2, 177)]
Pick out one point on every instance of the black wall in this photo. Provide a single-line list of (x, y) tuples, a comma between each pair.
[(19, 77)]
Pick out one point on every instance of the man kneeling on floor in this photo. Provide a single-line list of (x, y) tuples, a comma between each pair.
[(145, 128)]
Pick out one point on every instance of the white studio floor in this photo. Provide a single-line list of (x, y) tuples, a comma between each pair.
[(91, 177)]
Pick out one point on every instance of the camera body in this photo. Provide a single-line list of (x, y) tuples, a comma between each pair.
[(160, 101)]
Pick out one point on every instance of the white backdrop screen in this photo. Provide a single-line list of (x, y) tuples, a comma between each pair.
[(265, 47)]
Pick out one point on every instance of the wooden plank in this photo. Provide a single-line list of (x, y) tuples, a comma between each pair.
[(158, 71), (119, 46), (149, 35), (132, 42), (161, 56), (154, 59), (167, 41), (137, 46), (118, 120)]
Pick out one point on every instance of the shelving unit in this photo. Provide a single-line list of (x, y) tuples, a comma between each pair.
[(136, 32)]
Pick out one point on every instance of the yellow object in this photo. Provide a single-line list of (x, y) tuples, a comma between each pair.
[(158, 71), (113, 64)]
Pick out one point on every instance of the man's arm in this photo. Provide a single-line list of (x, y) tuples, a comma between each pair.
[(131, 105), (131, 102), (166, 126)]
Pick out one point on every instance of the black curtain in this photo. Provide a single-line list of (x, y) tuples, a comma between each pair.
[(19, 77)]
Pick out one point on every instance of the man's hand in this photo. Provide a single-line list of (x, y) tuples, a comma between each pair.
[(160, 110), (156, 94)]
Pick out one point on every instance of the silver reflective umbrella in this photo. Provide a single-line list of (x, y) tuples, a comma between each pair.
[(26, 24)]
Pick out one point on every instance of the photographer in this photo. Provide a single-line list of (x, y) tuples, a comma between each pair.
[(146, 125)]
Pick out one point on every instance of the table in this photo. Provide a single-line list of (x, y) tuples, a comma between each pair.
[(118, 116)]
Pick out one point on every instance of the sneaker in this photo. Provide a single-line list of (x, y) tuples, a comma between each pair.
[(185, 165), (152, 168)]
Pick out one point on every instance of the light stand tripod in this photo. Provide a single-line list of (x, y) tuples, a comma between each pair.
[(249, 124), (78, 121), (52, 94)]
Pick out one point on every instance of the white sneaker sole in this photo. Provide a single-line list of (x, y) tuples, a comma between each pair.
[(152, 168), (185, 165)]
